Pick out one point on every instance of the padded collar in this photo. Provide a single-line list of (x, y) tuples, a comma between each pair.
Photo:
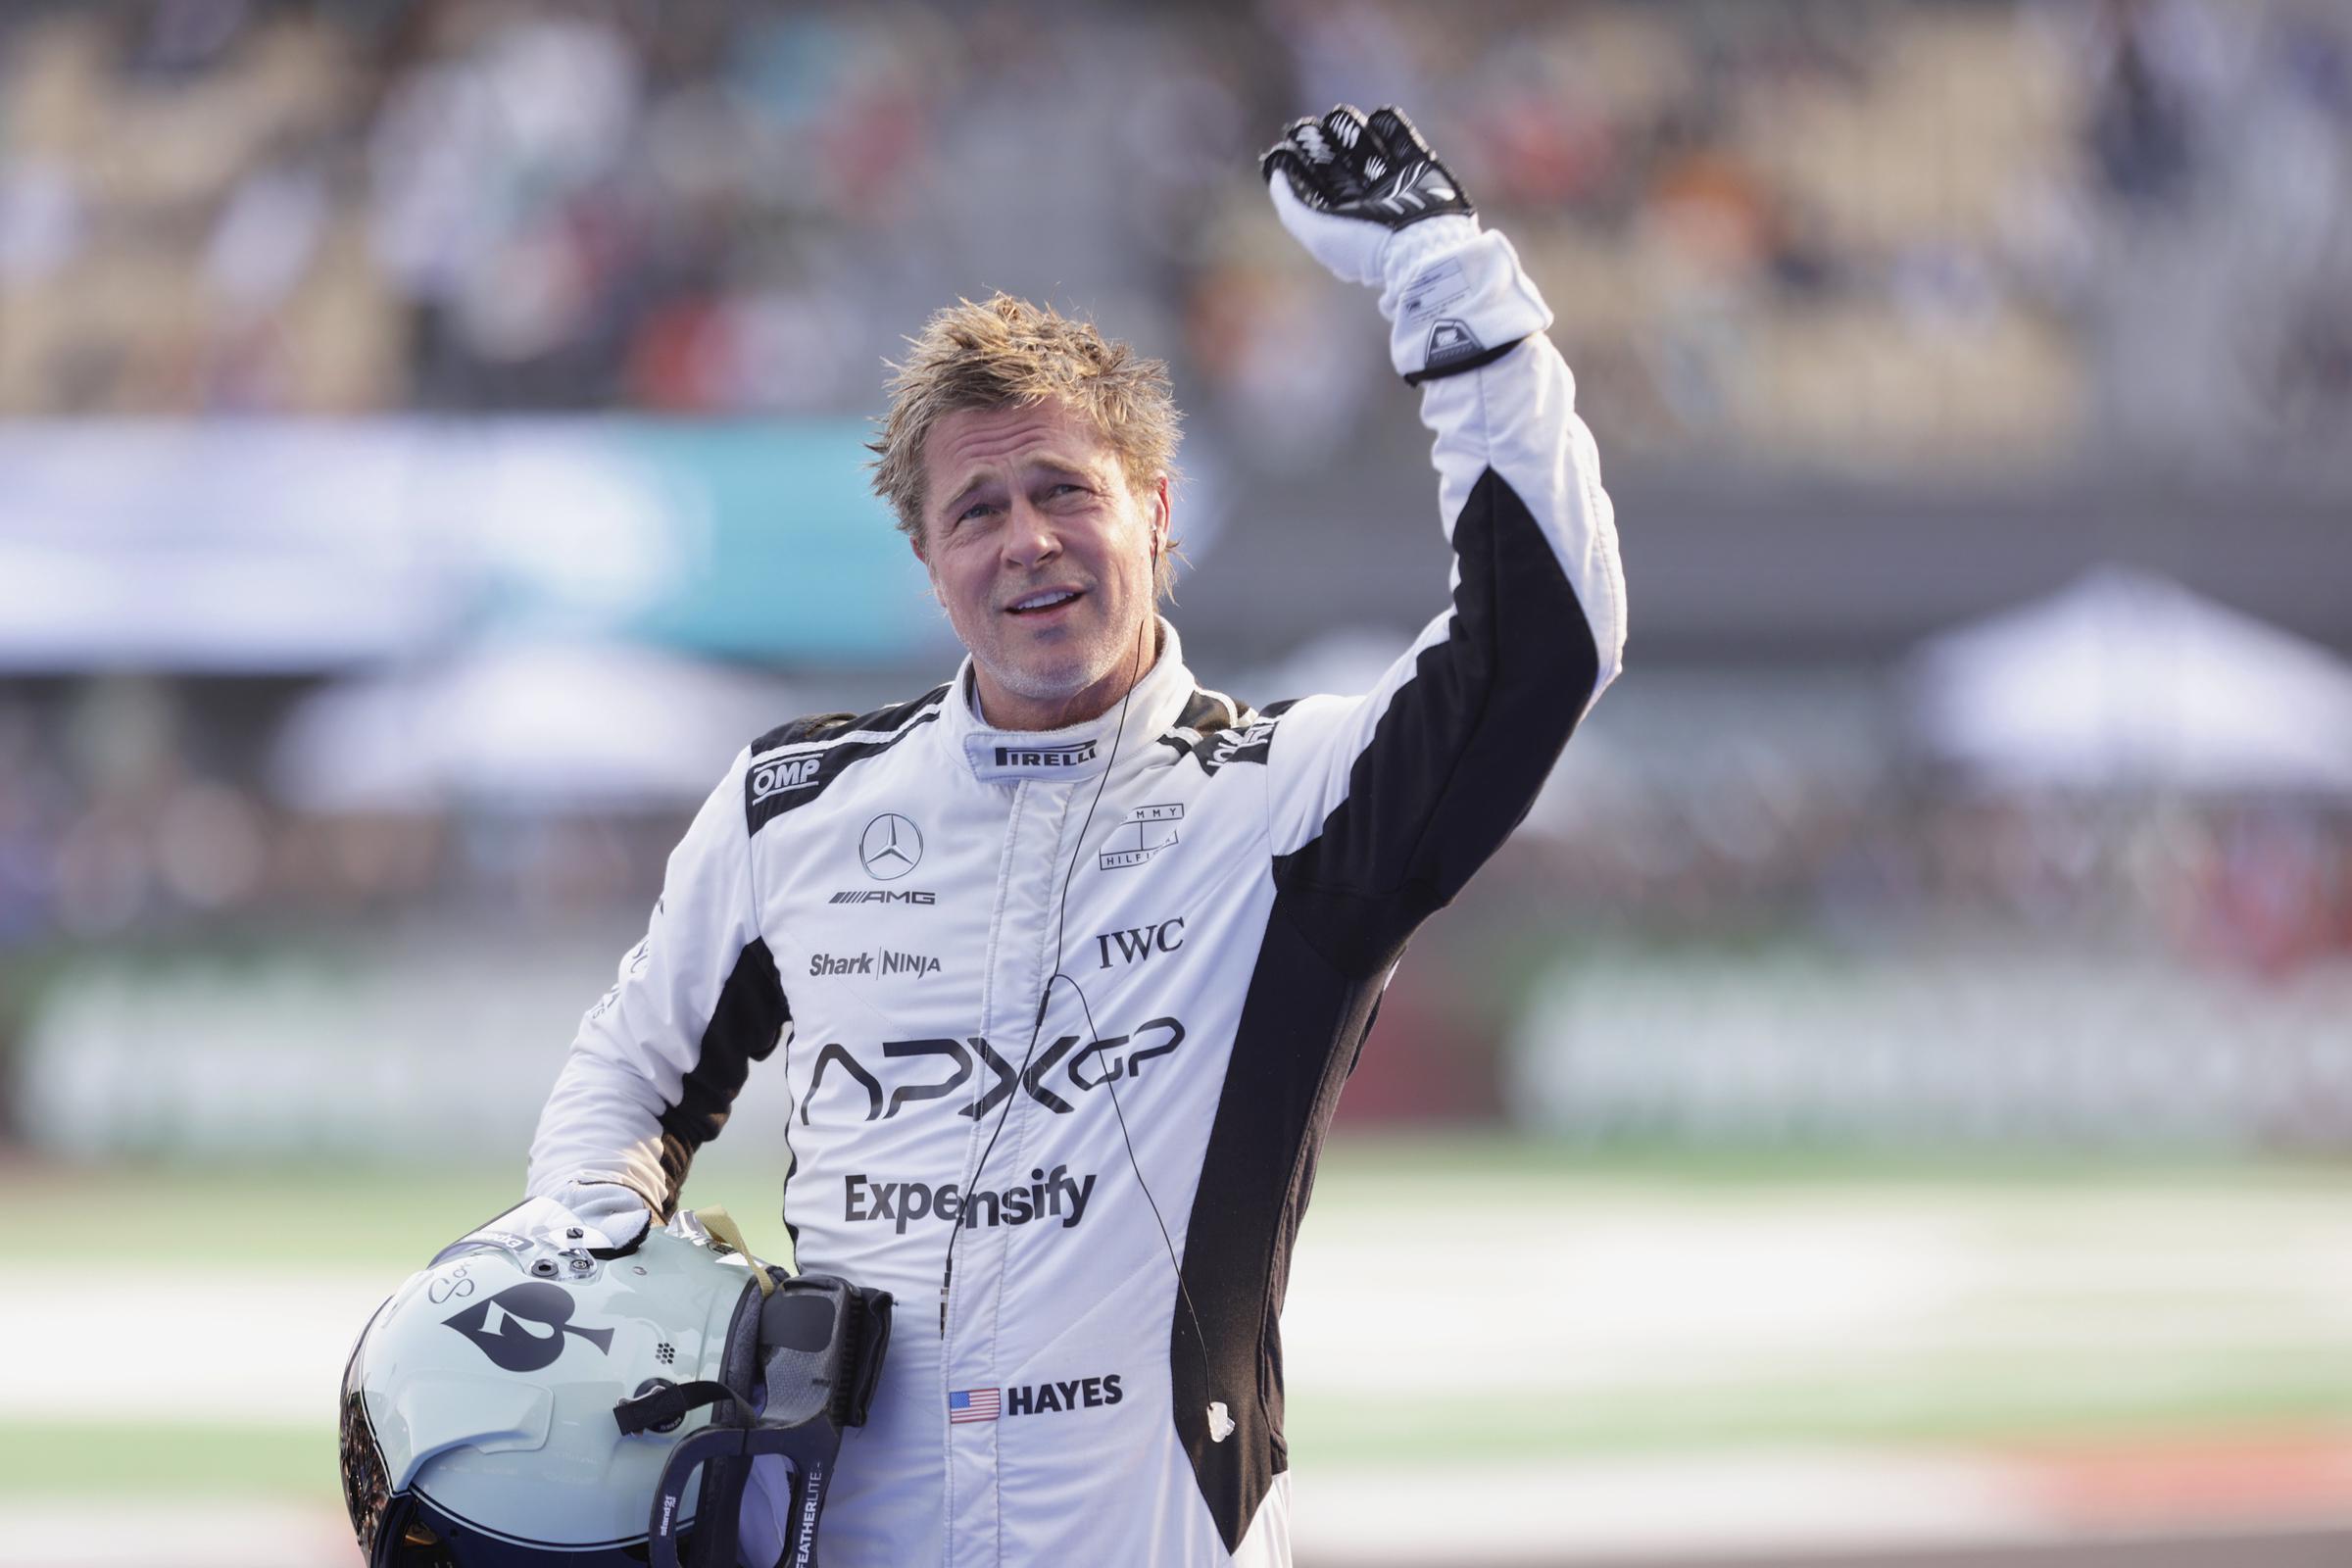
[(1079, 751)]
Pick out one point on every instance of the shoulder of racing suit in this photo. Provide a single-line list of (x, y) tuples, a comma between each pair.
[(1215, 730), (792, 764)]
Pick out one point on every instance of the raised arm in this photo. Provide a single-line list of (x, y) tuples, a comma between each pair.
[(1383, 805)]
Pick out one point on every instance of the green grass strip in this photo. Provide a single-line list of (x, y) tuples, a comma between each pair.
[(48, 1461)]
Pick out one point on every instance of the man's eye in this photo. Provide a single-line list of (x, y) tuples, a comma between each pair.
[(973, 510)]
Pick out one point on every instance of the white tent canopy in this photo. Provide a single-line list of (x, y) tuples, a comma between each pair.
[(2125, 680), (531, 724)]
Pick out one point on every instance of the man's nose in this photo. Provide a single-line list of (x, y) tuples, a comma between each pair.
[(1030, 536)]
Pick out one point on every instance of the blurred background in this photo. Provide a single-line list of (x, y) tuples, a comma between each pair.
[(1891, 1095)]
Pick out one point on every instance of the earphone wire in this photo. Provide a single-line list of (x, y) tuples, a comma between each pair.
[(1165, 1240), (1037, 1026)]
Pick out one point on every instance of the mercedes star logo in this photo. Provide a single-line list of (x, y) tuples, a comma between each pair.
[(890, 847)]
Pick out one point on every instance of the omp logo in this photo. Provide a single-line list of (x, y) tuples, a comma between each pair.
[(1078, 1394), (521, 1328), (1084, 1065), (1148, 830), (1050, 1195), (1046, 756), (791, 773), (1451, 342)]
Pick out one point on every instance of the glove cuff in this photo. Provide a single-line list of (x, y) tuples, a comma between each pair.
[(1455, 298)]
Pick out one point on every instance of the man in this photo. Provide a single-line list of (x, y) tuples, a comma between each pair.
[(1069, 959)]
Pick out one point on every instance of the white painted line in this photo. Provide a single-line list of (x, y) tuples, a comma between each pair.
[(244, 1345)]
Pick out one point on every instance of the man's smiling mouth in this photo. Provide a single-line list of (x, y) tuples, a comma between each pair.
[(1046, 599)]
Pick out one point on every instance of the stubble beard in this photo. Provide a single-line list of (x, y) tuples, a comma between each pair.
[(1057, 676)]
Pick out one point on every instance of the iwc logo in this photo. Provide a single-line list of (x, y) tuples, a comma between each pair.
[(890, 847)]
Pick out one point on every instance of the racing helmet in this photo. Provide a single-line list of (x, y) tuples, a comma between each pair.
[(533, 1397)]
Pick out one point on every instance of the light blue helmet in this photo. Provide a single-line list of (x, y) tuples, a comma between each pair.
[(535, 1398)]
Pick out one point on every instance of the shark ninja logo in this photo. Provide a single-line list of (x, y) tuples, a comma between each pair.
[(523, 1327)]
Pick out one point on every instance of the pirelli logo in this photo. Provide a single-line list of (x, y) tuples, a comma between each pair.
[(1046, 756)]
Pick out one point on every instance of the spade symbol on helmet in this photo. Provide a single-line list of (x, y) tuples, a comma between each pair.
[(523, 1327)]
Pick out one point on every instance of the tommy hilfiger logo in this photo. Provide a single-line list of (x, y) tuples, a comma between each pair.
[(1070, 756), (1148, 830)]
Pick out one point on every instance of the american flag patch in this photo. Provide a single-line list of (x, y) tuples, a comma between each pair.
[(972, 1404)]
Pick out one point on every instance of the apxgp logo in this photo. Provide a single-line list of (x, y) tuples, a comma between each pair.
[(1085, 1066), (523, 1327)]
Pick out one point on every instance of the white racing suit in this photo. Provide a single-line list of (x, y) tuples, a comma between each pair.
[(874, 907)]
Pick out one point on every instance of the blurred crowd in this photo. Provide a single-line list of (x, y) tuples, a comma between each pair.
[(1936, 234), (1731, 887), (135, 809), (140, 808), (1764, 844)]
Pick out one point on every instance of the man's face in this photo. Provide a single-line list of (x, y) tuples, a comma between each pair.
[(1042, 552)]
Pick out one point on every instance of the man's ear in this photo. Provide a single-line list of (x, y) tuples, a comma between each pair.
[(914, 546)]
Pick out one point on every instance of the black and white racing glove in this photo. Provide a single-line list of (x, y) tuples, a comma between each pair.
[(1370, 201)]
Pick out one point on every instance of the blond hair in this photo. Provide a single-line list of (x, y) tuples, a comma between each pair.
[(1006, 353)]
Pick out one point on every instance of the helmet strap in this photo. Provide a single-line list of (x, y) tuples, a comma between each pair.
[(723, 1230)]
